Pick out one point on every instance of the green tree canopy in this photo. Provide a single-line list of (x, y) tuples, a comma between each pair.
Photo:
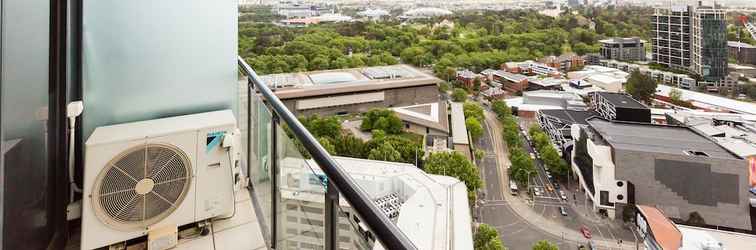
[(385, 152), (456, 165), (383, 119), (459, 95), (487, 238), (474, 128), (545, 245), (641, 87), (474, 110), (322, 126)]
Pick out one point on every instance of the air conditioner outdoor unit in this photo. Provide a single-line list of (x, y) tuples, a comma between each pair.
[(157, 174)]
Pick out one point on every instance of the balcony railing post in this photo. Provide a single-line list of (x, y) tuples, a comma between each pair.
[(274, 180), (331, 216)]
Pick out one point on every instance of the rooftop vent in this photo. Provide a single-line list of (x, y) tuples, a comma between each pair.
[(696, 153)]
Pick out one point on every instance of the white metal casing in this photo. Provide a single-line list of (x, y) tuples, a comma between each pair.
[(211, 189)]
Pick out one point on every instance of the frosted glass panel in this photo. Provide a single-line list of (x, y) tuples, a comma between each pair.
[(27, 177), (145, 59)]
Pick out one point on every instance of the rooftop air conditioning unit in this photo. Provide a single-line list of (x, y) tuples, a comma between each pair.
[(156, 175)]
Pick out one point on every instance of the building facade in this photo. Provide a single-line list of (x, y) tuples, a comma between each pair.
[(670, 36), (742, 52), (619, 107), (709, 43), (675, 169), (623, 49), (692, 38)]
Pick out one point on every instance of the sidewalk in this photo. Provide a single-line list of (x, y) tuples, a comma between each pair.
[(523, 210)]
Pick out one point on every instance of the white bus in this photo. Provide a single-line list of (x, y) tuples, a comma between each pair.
[(513, 187)]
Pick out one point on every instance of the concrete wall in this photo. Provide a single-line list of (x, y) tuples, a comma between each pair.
[(422, 130), (678, 184), (393, 98)]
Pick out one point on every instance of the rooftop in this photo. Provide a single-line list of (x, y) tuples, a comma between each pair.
[(433, 213), (432, 115), (664, 231), (736, 133), (459, 129), (713, 102), (740, 45), (622, 100), (656, 138), (622, 40), (571, 116), (328, 82)]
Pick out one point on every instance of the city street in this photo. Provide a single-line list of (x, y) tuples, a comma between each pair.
[(522, 221)]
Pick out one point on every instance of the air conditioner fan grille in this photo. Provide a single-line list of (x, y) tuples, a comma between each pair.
[(141, 186)]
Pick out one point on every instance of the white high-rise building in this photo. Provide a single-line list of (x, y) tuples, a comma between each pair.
[(432, 210)]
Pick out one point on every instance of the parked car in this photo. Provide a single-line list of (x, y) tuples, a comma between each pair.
[(548, 187), (556, 185), (563, 211), (532, 156), (586, 233), (562, 195)]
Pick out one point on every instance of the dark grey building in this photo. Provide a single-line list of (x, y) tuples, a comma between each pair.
[(619, 107), (672, 168), (623, 49), (709, 43), (742, 52), (557, 122)]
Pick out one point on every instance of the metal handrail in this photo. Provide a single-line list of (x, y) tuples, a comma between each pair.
[(389, 235)]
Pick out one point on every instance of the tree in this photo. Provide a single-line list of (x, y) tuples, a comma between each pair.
[(474, 128), (501, 109), (444, 87), (409, 150), (413, 55), (385, 152), (545, 245), (456, 165), (383, 119), (322, 126), (641, 87), (350, 146), (675, 95), (695, 219), (327, 145), (474, 110), (476, 85), (459, 95), (487, 238), (522, 166)]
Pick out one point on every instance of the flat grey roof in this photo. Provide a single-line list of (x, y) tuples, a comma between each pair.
[(621, 100), (347, 81), (656, 138), (570, 116)]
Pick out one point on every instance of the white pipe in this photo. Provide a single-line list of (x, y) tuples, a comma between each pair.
[(74, 109)]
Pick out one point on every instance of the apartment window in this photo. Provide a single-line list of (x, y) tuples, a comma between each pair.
[(604, 199), (311, 222), (313, 210), (291, 219), (291, 231), (310, 246), (291, 206), (312, 234)]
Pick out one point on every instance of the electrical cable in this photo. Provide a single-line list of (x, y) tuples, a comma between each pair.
[(233, 188)]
